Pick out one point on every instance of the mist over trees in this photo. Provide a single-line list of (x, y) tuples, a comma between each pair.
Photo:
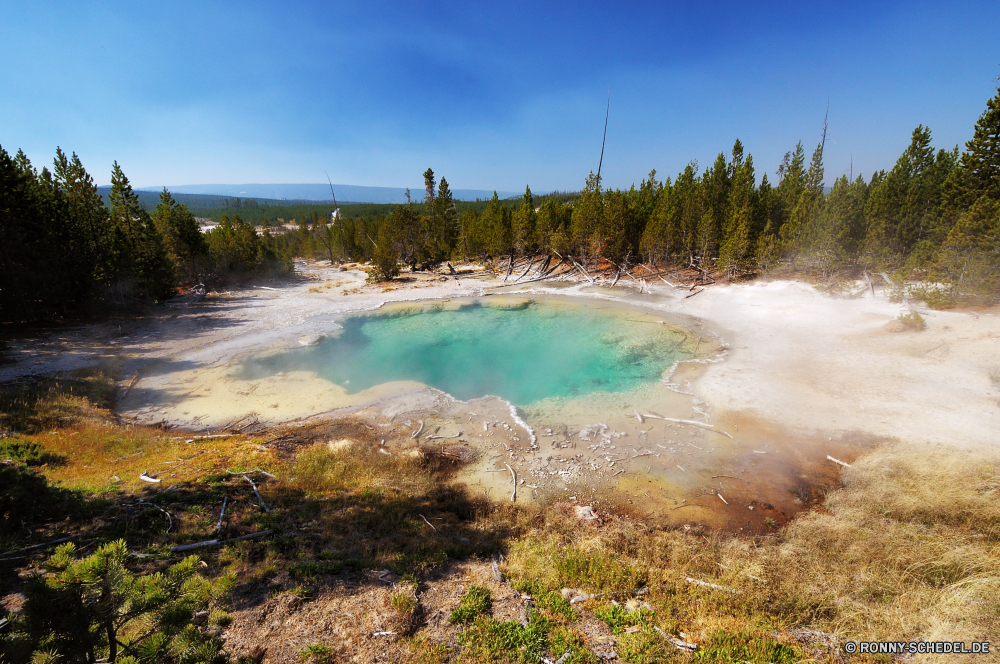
[(934, 217), (65, 253)]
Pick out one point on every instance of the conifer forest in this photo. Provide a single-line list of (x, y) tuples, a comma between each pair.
[(932, 220)]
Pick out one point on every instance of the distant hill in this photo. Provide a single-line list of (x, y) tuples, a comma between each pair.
[(149, 198), (315, 192)]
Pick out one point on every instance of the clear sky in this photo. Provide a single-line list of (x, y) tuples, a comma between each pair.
[(491, 96)]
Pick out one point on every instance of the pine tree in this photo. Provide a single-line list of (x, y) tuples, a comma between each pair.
[(86, 220), (588, 212), (977, 174), (26, 292), (496, 226), (661, 236), (905, 208), (791, 183), (736, 252), (97, 609), (617, 237), (384, 258), (142, 266), (447, 218), (715, 185), (969, 259), (182, 238), (524, 224)]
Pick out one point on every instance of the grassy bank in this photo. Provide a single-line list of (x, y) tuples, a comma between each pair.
[(376, 556)]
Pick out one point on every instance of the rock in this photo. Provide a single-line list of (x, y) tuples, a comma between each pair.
[(311, 339)]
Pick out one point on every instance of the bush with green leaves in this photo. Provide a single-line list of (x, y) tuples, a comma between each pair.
[(475, 602), (23, 451), (95, 608), (913, 321)]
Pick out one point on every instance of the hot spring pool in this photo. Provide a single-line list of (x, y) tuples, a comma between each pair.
[(523, 351)]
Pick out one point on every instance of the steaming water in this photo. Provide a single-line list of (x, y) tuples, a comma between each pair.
[(522, 351)]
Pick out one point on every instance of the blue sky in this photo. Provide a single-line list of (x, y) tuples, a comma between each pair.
[(491, 96)]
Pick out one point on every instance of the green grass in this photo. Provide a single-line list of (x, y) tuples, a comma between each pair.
[(476, 601), (746, 647), (648, 648), (316, 652), (487, 640), (618, 618), (23, 451)]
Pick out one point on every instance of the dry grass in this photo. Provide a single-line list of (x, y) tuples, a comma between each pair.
[(906, 550)]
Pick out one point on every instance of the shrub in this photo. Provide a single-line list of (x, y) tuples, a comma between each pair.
[(106, 611), (22, 451), (913, 321), (316, 652), (476, 602)]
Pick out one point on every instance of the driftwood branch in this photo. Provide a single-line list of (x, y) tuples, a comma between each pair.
[(689, 422), (845, 465), (513, 476), (146, 478), (37, 546), (497, 576), (132, 381), (713, 586), (218, 526), (215, 542), (257, 492)]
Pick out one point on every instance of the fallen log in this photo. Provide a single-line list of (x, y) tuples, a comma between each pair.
[(845, 465), (257, 492), (713, 586), (532, 262), (513, 477), (131, 382), (215, 542), (677, 643), (690, 422), (583, 270), (146, 478), (37, 546), (218, 526)]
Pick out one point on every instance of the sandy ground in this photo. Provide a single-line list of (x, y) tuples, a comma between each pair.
[(791, 373)]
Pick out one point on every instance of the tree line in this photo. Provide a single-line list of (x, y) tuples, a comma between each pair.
[(933, 217), (66, 253)]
